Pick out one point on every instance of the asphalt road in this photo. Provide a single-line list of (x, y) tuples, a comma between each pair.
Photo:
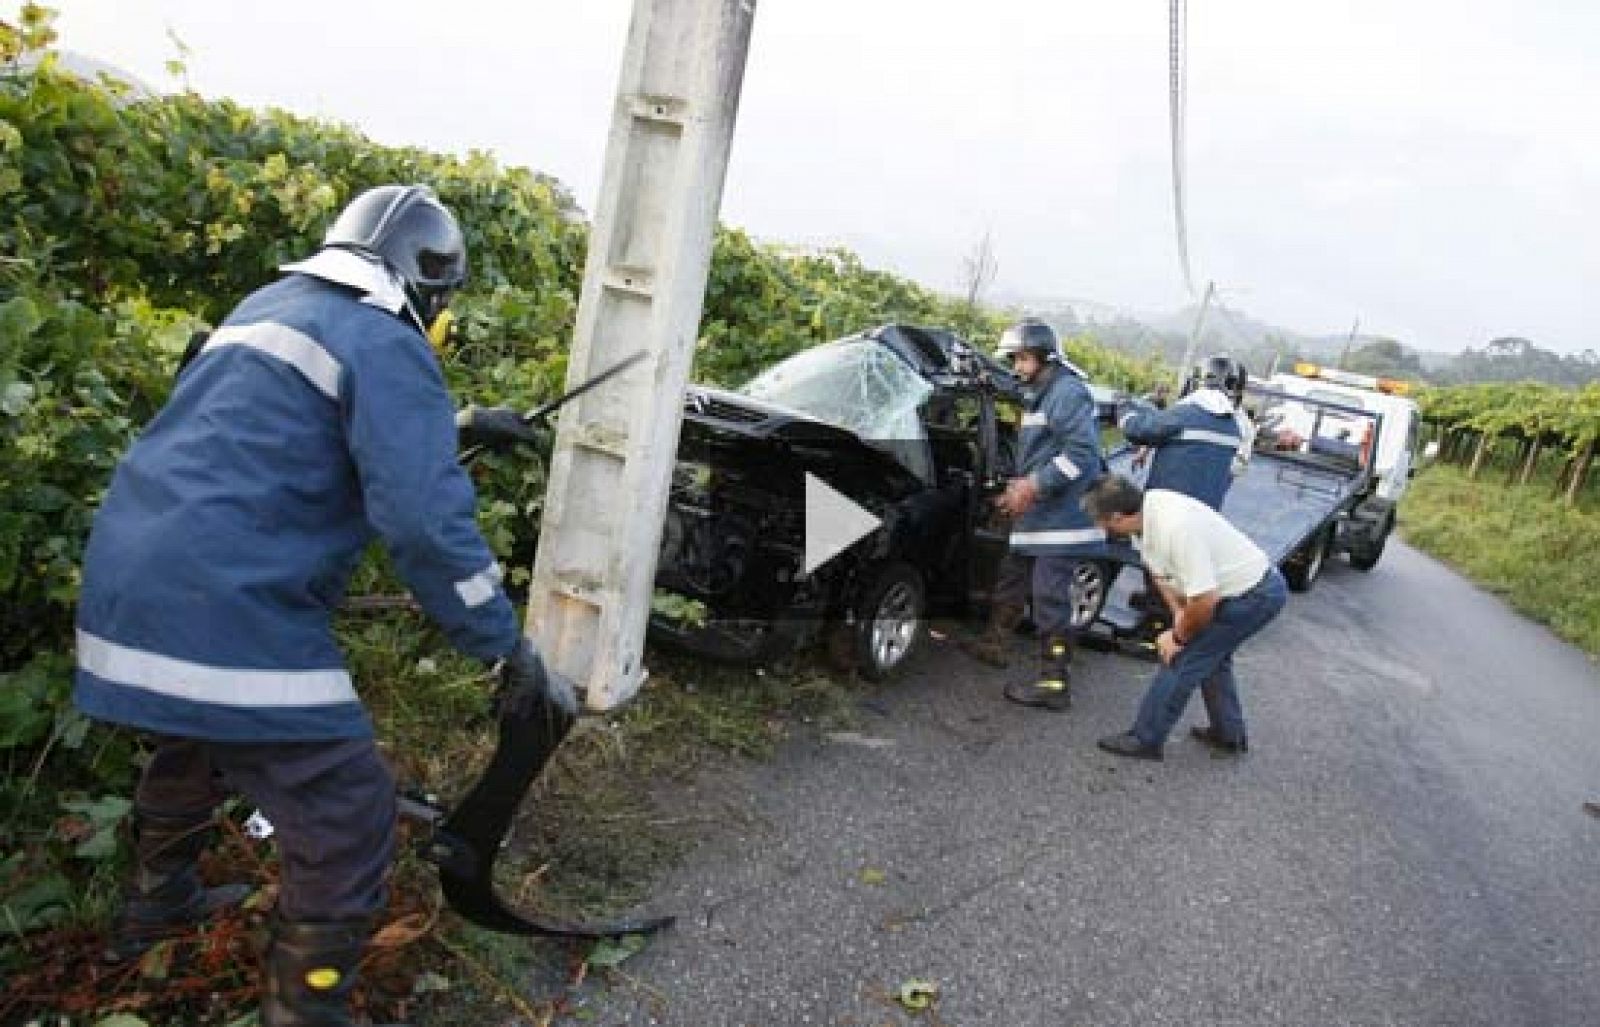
[(1406, 842)]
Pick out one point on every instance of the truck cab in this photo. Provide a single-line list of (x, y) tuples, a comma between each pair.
[(1366, 422), (1389, 457)]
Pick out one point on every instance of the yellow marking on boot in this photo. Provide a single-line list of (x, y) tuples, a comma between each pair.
[(1051, 685), (1058, 651), (323, 978)]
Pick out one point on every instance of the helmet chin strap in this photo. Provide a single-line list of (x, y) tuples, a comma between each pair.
[(417, 319), (436, 327)]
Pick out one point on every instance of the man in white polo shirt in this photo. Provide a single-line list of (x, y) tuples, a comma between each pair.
[(1222, 589)]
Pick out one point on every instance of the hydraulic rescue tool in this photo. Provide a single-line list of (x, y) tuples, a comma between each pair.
[(466, 840)]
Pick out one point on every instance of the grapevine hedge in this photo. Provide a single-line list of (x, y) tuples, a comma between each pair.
[(1532, 419)]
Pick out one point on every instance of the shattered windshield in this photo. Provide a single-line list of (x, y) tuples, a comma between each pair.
[(857, 385)]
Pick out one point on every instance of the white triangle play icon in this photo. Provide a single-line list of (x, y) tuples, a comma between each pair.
[(833, 522)]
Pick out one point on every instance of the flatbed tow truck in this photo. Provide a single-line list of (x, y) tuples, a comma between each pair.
[(1332, 455)]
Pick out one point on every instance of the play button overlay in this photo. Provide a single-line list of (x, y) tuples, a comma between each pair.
[(834, 523)]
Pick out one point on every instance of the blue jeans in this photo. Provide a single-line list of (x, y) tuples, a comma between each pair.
[(1207, 663)]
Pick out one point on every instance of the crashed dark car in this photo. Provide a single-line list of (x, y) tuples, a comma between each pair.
[(913, 425)]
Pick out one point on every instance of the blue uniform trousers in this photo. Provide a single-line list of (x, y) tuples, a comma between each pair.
[(331, 804), (1047, 580)]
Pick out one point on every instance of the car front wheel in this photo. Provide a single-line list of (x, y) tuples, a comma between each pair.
[(889, 621)]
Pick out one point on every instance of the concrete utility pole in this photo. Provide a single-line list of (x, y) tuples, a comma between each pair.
[(1344, 354), (643, 289)]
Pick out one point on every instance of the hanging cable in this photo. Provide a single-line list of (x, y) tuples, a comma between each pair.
[(1178, 85)]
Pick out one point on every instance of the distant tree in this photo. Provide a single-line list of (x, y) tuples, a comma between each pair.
[(1386, 358), (978, 270), (1515, 359), (1508, 347)]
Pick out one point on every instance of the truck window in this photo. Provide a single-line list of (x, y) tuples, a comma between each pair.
[(1342, 398)]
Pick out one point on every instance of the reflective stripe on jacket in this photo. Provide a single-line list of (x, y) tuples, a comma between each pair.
[(1059, 447), (1195, 446), (313, 420)]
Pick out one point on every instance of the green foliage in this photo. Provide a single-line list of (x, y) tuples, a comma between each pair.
[(1528, 409), (94, 829), (1538, 417), (767, 302), (34, 31), (1515, 540), (1134, 374), (681, 609), (75, 381)]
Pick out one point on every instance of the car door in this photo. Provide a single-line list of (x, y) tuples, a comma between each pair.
[(998, 419)]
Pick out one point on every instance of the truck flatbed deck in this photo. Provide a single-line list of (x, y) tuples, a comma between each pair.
[(1298, 505), (1281, 500)]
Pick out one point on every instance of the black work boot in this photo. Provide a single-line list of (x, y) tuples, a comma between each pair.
[(992, 647), (1053, 689), (166, 897), (310, 971), (1219, 745)]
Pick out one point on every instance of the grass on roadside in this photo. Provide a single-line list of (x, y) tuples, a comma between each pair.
[(1516, 541), (593, 835)]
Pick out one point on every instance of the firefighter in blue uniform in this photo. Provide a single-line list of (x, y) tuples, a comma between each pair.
[(1058, 458), (313, 420), (1202, 441)]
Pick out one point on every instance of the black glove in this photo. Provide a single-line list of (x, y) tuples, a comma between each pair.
[(526, 685), (495, 428)]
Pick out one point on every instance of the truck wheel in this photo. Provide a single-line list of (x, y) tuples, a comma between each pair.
[(888, 622), (1303, 568), (1367, 557), (1091, 583)]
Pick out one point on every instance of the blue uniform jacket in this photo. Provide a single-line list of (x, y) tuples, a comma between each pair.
[(1196, 442), (1059, 447), (312, 420)]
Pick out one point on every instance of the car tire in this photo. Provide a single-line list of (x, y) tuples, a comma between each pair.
[(1303, 569), (1091, 584), (1367, 557), (889, 621)]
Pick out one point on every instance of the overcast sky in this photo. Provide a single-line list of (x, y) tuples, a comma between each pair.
[(1430, 166)]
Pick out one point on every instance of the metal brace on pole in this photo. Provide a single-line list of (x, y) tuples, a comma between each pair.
[(643, 289)]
